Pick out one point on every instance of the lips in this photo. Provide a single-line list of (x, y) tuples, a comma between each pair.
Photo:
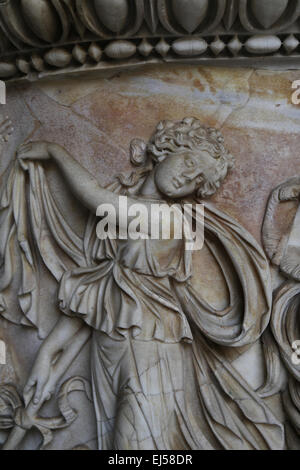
[(180, 182)]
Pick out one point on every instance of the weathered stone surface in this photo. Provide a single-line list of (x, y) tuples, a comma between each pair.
[(96, 120), (252, 33)]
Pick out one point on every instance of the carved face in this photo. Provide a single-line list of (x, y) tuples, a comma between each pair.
[(179, 175)]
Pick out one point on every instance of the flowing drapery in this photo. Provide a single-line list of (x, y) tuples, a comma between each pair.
[(32, 226)]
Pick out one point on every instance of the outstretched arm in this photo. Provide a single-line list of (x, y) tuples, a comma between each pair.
[(83, 184)]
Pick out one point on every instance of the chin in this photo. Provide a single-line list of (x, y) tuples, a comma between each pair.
[(171, 194), (175, 196), (166, 192)]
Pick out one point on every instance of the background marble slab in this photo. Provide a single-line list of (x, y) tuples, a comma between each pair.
[(96, 120)]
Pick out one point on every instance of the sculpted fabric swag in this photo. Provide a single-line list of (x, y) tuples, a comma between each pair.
[(217, 395)]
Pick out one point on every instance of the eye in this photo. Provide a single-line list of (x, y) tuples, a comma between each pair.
[(189, 162)]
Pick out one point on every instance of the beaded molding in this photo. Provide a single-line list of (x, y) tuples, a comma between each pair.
[(41, 38)]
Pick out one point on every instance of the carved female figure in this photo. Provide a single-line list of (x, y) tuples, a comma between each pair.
[(159, 379)]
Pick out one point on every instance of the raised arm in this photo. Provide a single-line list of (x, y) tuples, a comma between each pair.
[(83, 184)]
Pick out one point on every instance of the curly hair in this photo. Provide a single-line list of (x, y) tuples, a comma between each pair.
[(173, 137)]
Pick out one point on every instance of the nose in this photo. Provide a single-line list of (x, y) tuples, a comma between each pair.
[(179, 180)]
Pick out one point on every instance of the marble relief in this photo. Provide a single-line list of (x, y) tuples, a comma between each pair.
[(143, 344), (42, 38)]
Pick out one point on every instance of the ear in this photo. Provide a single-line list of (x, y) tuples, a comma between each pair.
[(138, 152), (199, 179)]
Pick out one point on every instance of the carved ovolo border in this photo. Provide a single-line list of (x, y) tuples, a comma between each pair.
[(48, 38), (94, 57)]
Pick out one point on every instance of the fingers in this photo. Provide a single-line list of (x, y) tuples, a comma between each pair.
[(46, 396), (289, 193), (29, 391), (23, 149), (36, 393), (28, 396), (23, 165), (39, 390), (6, 129), (23, 153), (30, 383), (5, 122)]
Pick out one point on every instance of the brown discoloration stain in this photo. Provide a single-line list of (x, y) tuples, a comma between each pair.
[(97, 119), (198, 84)]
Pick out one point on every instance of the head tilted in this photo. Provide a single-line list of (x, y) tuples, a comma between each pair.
[(188, 138)]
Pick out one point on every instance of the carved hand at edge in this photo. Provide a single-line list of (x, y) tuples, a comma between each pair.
[(6, 129), (290, 190), (35, 388)]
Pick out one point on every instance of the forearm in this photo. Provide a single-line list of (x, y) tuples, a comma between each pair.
[(83, 185), (55, 356), (63, 332), (86, 187)]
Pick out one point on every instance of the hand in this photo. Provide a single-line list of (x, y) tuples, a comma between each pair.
[(33, 151), (6, 129), (289, 191), (35, 389)]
